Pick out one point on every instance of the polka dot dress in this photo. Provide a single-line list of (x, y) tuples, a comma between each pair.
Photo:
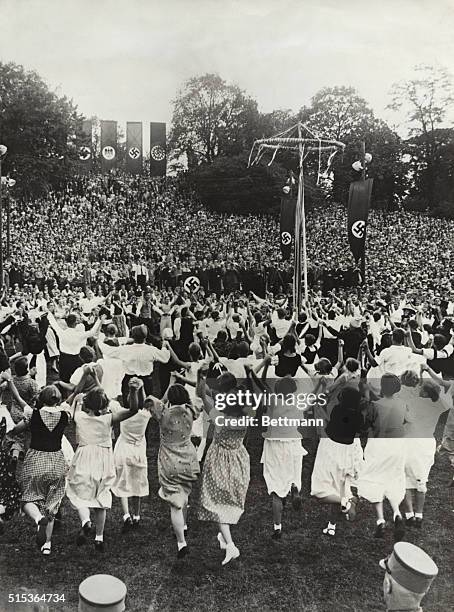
[(225, 477)]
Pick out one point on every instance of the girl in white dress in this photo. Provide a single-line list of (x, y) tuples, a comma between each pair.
[(131, 465), (420, 422), (283, 452), (339, 458), (92, 471), (383, 475)]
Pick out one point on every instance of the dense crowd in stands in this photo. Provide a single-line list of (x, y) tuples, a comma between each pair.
[(109, 231)]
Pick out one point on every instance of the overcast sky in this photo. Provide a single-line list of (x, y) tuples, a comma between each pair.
[(125, 59)]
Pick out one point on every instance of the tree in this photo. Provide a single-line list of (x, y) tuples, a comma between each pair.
[(339, 113), (38, 127), (212, 118), (425, 100)]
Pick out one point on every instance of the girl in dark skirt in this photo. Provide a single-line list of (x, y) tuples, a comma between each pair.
[(43, 476)]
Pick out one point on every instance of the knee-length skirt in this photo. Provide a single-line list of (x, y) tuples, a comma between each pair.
[(42, 479), (282, 465), (178, 468), (90, 477), (334, 464), (131, 469), (225, 481)]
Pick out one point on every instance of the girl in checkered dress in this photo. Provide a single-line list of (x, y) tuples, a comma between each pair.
[(43, 476)]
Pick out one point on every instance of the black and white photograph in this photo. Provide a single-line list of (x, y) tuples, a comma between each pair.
[(226, 306)]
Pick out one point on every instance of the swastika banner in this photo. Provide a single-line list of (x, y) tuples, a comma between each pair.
[(108, 145), (134, 151), (84, 146), (158, 156), (287, 224), (358, 211)]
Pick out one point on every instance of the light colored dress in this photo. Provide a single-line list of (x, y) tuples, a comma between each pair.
[(383, 474), (92, 471), (130, 457), (178, 467), (225, 477), (283, 452)]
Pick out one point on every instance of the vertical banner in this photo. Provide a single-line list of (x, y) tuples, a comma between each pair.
[(287, 225), (85, 146), (358, 210), (158, 161), (134, 151), (108, 145)]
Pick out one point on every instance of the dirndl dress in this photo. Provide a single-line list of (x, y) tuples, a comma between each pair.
[(42, 479)]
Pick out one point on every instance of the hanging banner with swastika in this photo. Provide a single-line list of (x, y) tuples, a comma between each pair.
[(108, 145), (287, 225), (84, 146), (158, 156), (192, 284), (134, 147), (358, 210)]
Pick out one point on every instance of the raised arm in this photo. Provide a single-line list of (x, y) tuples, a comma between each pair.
[(135, 399)]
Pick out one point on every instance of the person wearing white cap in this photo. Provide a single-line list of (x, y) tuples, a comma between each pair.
[(409, 574)]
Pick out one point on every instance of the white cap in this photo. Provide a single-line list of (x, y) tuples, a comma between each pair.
[(410, 567)]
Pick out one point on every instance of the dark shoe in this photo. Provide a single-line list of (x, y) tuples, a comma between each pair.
[(99, 546), (418, 522), (380, 530), (41, 535), (410, 522), (350, 513), (83, 534), (399, 529), (127, 525), (182, 552), (296, 498), (277, 534)]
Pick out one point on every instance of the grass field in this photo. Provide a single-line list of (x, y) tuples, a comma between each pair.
[(304, 571)]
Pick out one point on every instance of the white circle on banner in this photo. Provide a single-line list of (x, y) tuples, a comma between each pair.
[(192, 284), (157, 153), (358, 229), (84, 153), (108, 153), (286, 238), (134, 153)]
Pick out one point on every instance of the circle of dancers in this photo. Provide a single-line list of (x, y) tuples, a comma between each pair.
[(379, 374)]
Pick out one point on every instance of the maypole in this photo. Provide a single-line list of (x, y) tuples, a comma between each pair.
[(294, 139)]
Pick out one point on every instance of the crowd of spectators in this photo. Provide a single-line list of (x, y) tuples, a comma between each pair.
[(112, 230)]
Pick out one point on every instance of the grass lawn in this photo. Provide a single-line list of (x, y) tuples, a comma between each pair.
[(304, 571)]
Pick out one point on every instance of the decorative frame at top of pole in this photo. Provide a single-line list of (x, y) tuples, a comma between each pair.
[(301, 140)]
